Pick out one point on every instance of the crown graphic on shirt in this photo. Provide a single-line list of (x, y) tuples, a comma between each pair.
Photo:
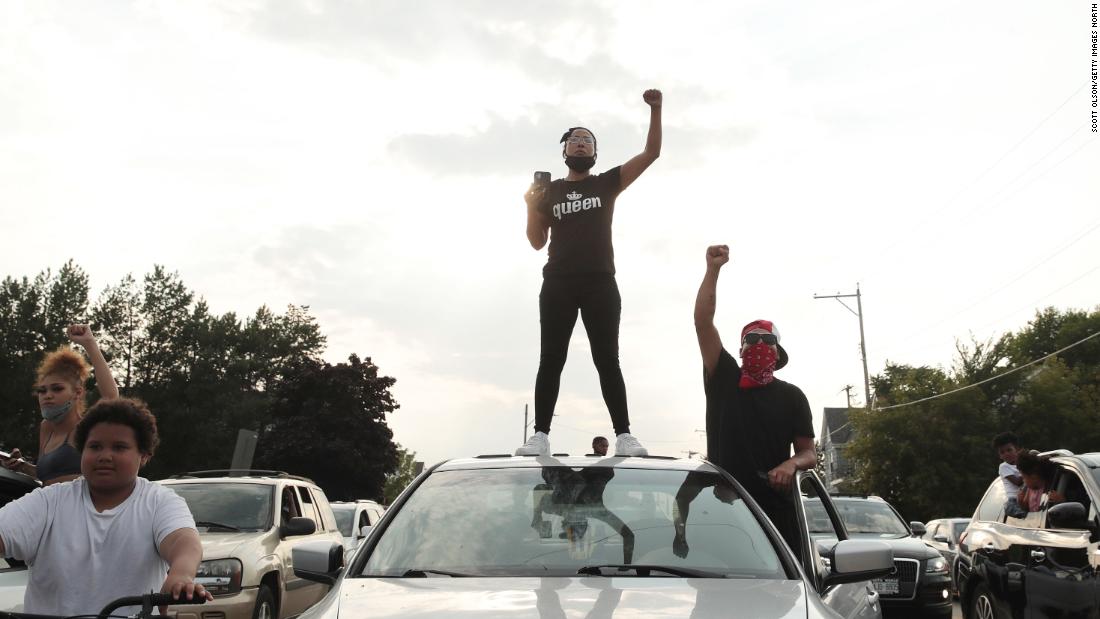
[(573, 195)]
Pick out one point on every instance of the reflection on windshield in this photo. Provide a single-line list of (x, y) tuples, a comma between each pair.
[(554, 520), (244, 507), (343, 519)]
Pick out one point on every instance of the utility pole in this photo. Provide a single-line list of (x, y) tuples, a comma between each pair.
[(524, 423), (848, 391), (862, 340)]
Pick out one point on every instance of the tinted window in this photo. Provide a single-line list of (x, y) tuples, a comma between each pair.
[(959, 527), (344, 516), (554, 520), (223, 508), (992, 507), (870, 519)]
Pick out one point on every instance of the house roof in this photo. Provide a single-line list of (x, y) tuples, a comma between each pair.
[(835, 425)]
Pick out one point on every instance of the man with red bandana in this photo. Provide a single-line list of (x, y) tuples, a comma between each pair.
[(753, 418)]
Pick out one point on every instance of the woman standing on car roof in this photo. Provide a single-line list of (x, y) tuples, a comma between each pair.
[(60, 390), (574, 214)]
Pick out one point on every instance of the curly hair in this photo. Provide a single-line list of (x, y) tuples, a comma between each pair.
[(1029, 462), (123, 411), (67, 363)]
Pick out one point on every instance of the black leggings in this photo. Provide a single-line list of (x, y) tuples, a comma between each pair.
[(597, 298)]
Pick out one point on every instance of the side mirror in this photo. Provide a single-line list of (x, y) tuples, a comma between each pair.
[(320, 561), (364, 531), (297, 526), (917, 528), (941, 539), (1068, 516), (858, 560)]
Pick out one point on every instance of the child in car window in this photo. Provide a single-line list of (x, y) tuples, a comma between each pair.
[(1038, 474), (109, 533), (1006, 445)]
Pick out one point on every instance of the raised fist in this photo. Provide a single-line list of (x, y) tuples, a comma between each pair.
[(717, 255), (652, 97), (81, 334)]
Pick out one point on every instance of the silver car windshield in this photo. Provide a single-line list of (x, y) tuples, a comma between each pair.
[(554, 521), (227, 508)]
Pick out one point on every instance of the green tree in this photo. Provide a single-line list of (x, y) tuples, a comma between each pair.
[(934, 458), (402, 476), (328, 423)]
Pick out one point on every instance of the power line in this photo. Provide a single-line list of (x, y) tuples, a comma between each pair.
[(1025, 273), (991, 378)]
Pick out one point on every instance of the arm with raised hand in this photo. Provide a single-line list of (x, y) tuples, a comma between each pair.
[(710, 343), (632, 169), (104, 380)]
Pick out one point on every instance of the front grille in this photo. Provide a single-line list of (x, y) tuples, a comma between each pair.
[(906, 571)]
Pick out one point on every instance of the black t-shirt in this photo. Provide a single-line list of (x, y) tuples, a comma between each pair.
[(580, 215), (750, 431)]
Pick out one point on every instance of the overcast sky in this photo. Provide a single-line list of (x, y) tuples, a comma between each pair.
[(369, 159)]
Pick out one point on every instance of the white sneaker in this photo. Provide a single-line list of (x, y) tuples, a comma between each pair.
[(537, 445), (627, 445)]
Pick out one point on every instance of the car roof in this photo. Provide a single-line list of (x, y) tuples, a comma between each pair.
[(260, 481), (618, 462)]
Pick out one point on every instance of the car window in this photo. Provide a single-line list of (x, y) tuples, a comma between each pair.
[(552, 521), (225, 508), (308, 509), (344, 517), (289, 507), (824, 531), (992, 506), (871, 519), (323, 507), (958, 528)]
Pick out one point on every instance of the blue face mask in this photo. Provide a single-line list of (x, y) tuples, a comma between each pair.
[(56, 413)]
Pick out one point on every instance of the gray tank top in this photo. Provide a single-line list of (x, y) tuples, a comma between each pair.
[(65, 460)]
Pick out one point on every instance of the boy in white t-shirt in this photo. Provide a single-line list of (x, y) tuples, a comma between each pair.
[(1007, 448), (109, 533)]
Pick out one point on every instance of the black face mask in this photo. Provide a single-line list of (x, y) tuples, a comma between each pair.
[(580, 164)]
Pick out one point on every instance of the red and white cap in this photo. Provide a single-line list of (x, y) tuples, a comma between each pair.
[(769, 326)]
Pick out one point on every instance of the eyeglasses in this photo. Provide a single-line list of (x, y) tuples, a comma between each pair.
[(756, 338), (581, 140)]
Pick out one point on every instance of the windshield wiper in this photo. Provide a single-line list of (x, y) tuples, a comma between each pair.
[(415, 573), (216, 525), (644, 570)]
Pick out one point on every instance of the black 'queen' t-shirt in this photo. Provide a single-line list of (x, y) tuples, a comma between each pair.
[(580, 215)]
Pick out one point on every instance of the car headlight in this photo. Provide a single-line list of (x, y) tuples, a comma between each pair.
[(939, 564), (220, 576)]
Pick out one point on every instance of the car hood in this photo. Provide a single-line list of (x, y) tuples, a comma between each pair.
[(222, 545), (905, 547), (512, 598)]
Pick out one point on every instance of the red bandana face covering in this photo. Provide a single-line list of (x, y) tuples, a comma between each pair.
[(757, 365)]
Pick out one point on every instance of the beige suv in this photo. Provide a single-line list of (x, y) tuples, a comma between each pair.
[(249, 521)]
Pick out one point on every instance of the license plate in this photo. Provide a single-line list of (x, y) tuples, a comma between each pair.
[(886, 586)]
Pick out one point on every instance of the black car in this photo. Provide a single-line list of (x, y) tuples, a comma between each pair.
[(1044, 565), (921, 581)]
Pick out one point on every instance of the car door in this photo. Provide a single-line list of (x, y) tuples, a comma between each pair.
[(300, 593), (821, 529), (1060, 578)]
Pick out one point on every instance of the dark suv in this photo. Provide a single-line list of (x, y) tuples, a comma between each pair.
[(921, 580), (1044, 565)]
